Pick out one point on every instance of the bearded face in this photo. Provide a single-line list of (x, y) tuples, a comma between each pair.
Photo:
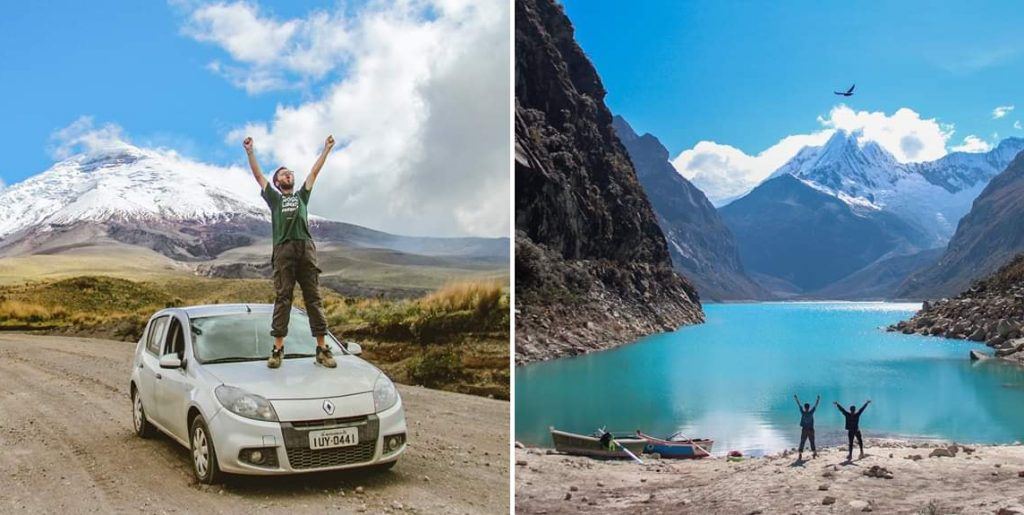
[(284, 179)]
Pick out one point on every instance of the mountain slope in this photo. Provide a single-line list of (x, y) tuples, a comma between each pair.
[(986, 239), (592, 265), (880, 280), (701, 246), (790, 230)]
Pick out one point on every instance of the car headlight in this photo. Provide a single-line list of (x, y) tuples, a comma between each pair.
[(243, 403), (384, 394)]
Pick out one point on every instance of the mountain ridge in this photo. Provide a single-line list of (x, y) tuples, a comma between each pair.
[(699, 243)]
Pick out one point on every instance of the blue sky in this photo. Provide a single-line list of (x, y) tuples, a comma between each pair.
[(123, 62), (748, 74), (196, 76)]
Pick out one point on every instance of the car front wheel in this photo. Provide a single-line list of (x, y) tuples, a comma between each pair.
[(204, 456), (141, 424)]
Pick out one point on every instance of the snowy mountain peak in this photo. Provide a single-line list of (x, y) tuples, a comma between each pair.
[(128, 183)]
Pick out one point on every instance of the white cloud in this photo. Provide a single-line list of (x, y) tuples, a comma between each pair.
[(1001, 111), (272, 51), (1016, 125), (724, 172), (83, 136), (972, 143), (420, 109)]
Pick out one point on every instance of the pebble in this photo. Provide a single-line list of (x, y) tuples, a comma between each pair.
[(828, 500), (568, 496), (359, 490), (822, 487), (574, 489)]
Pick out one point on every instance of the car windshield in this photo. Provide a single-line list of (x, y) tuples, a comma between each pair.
[(246, 336)]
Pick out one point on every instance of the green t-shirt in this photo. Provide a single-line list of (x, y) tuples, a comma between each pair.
[(288, 214)]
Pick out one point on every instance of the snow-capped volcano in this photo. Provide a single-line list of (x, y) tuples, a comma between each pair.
[(126, 183), (932, 195)]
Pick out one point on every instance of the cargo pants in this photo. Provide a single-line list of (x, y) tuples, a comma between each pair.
[(295, 261)]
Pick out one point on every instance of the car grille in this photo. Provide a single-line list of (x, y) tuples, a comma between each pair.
[(300, 456), (311, 459)]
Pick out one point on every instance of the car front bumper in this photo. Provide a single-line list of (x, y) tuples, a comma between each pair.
[(232, 434)]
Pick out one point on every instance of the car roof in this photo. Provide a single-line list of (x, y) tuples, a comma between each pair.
[(207, 310)]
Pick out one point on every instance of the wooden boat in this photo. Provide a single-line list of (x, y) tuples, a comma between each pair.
[(677, 446), (581, 445)]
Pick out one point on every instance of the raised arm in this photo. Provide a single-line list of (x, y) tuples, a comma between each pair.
[(311, 178), (253, 165), (840, 408), (797, 399), (816, 401), (864, 407)]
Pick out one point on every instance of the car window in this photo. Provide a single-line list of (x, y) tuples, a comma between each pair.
[(175, 341), (247, 335), (156, 331)]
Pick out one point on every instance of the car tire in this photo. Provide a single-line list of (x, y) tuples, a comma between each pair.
[(204, 456), (383, 467), (143, 429)]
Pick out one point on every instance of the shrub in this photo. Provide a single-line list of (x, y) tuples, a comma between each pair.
[(437, 366)]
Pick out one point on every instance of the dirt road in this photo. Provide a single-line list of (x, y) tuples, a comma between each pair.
[(67, 445)]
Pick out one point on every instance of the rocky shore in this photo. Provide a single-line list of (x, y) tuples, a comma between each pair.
[(896, 476), (990, 311)]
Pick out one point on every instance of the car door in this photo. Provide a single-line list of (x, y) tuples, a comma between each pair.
[(149, 367), (173, 386)]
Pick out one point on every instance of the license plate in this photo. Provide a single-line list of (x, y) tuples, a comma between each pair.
[(331, 438)]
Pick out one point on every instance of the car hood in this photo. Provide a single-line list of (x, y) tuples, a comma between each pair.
[(298, 378)]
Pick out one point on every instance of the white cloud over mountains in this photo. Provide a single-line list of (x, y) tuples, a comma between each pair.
[(724, 172), (416, 94), (972, 143)]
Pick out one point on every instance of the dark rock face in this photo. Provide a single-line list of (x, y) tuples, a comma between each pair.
[(987, 238), (990, 311), (592, 265), (795, 234), (701, 246)]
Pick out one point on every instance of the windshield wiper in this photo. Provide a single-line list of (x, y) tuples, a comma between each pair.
[(230, 360), (297, 355)]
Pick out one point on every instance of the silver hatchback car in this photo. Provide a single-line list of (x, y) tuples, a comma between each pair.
[(200, 376)]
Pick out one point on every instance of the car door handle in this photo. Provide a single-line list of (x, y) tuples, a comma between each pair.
[(158, 376), (140, 365)]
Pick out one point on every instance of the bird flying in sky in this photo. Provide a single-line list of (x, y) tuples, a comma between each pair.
[(847, 93)]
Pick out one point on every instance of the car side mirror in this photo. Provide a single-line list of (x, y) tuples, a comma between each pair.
[(170, 361), (353, 348)]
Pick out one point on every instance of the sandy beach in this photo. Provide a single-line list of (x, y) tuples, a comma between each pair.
[(895, 476)]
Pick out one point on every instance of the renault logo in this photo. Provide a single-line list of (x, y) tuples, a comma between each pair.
[(328, 407)]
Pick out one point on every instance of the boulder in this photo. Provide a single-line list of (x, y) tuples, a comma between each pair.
[(879, 472), (941, 452), (1004, 327), (978, 355)]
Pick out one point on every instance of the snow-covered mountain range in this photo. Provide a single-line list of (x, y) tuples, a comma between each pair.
[(180, 208), (933, 196), (127, 184), (849, 206)]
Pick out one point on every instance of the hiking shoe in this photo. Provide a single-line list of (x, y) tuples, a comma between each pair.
[(275, 358), (324, 357)]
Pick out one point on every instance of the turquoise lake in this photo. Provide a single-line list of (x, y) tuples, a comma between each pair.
[(732, 379)]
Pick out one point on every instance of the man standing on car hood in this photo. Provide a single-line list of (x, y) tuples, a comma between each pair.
[(294, 255)]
